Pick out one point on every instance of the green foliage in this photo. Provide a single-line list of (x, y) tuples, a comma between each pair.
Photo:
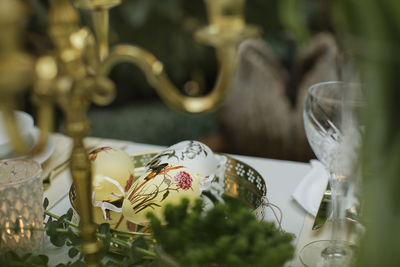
[(57, 237), (227, 235), (371, 30), (293, 19), (62, 232), (11, 259)]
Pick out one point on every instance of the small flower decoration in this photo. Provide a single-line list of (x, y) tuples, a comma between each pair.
[(183, 180)]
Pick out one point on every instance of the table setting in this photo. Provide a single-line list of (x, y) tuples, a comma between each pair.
[(71, 199), (292, 186), (295, 197)]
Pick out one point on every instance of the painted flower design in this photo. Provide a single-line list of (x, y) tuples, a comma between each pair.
[(192, 150), (129, 183), (183, 180), (94, 153)]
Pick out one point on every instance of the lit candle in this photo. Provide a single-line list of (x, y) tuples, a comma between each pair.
[(21, 209)]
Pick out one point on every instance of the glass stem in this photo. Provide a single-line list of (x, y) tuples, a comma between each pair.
[(339, 188), (338, 194)]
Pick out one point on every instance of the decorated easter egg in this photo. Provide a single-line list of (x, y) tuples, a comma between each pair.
[(161, 185), (191, 154), (195, 156), (113, 173)]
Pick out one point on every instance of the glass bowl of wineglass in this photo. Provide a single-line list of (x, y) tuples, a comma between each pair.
[(331, 118)]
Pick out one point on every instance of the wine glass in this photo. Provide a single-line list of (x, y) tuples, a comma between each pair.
[(331, 121)]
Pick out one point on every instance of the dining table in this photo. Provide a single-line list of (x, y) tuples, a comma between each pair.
[(281, 178)]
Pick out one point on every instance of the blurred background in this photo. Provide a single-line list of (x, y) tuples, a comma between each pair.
[(297, 48)]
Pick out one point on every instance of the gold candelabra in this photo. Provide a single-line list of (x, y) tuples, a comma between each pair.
[(75, 75)]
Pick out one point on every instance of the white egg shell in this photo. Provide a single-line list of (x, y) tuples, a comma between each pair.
[(193, 155), (161, 185), (113, 173), (197, 157)]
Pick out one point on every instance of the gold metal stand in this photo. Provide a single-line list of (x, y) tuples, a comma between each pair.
[(225, 31), (14, 64), (76, 74)]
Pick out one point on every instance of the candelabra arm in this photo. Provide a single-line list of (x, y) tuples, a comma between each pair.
[(45, 121), (100, 18), (17, 74), (225, 31), (45, 115), (15, 70), (157, 77), (43, 97), (20, 145), (100, 10)]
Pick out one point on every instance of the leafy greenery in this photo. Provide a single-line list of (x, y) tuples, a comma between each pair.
[(133, 249), (371, 30), (11, 259), (227, 235)]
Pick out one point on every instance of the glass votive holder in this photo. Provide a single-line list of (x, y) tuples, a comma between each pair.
[(21, 208)]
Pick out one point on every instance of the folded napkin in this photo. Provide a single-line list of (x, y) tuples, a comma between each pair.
[(311, 189)]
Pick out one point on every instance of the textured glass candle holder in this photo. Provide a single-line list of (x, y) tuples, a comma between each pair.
[(21, 209)]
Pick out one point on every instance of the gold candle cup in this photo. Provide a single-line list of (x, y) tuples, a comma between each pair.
[(226, 14)]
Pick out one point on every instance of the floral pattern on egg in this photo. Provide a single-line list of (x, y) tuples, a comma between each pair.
[(194, 149), (199, 158), (93, 154), (161, 185), (183, 180), (191, 154), (180, 171)]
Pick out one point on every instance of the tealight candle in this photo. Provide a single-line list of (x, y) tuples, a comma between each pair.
[(21, 209)]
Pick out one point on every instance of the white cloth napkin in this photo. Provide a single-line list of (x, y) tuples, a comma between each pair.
[(311, 189)]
